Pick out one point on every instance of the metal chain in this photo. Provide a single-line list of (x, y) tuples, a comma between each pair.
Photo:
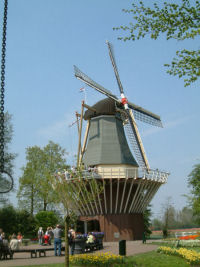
[(3, 59), (9, 178)]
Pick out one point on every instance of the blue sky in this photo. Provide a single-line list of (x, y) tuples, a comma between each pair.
[(46, 38)]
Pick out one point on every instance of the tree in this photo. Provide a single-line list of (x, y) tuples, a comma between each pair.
[(156, 224), (52, 161), (46, 219), (8, 156), (186, 219), (8, 219), (35, 189), (168, 216), (29, 181), (13, 221), (178, 21), (25, 223), (179, 219), (194, 183), (71, 192), (147, 221)]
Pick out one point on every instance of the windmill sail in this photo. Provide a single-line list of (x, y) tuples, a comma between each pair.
[(83, 77), (134, 145), (139, 112), (145, 115), (111, 54), (134, 138)]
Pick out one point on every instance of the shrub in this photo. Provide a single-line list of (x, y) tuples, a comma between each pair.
[(101, 259)]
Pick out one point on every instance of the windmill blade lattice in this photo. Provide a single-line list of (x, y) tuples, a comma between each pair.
[(86, 79), (134, 145), (144, 117), (132, 137), (139, 113), (111, 54)]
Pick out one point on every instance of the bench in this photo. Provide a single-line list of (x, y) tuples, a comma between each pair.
[(33, 252), (41, 252), (93, 246)]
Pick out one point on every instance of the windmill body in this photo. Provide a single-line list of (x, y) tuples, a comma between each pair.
[(107, 144), (127, 180)]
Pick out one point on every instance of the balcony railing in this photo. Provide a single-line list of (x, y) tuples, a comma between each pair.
[(119, 173)]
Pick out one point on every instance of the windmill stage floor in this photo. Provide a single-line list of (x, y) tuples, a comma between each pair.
[(23, 259)]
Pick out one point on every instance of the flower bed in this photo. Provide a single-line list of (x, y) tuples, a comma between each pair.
[(188, 243), (190, 256), (101, 259), (188, 237)]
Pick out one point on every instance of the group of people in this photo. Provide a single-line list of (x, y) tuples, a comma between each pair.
[(71, 173), (44, 238), (11, 244)]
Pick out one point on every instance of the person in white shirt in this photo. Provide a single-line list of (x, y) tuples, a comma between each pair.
[(14, 243)]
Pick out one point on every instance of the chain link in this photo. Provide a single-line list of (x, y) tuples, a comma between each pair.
[(3, 60)]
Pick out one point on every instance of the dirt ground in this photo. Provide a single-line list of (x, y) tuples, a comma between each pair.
[(23, 259)]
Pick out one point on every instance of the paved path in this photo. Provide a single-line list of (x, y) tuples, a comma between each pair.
[(23, 259)]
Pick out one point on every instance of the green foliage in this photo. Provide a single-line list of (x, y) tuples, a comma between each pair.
[(8, 219), (35, 188), (174, 219), (165, 232), (194, 183), (181, 219), (102, 259), (147, 220), (14, 221), (178, 21), (46, 219), (26, 223)]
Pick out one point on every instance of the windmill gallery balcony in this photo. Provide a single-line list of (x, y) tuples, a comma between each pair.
[(121, 173), (123, 190)]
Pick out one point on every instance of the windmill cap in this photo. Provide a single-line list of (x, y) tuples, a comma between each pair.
[(106, 106)]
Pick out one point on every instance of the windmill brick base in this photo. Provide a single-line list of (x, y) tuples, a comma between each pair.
[(119, 226)]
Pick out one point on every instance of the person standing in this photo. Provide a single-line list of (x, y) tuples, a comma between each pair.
[(144, 238), (40, 235), (57, 232), (72, 237), (6, 248), (1, 231)]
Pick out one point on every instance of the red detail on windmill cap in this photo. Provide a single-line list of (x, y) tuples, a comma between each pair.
[(124, 100)]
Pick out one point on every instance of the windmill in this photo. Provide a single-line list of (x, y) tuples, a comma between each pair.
[(129, 111), (128, 185)]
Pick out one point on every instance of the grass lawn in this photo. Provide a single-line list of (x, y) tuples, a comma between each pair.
[(154, 259), (149, 259)]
